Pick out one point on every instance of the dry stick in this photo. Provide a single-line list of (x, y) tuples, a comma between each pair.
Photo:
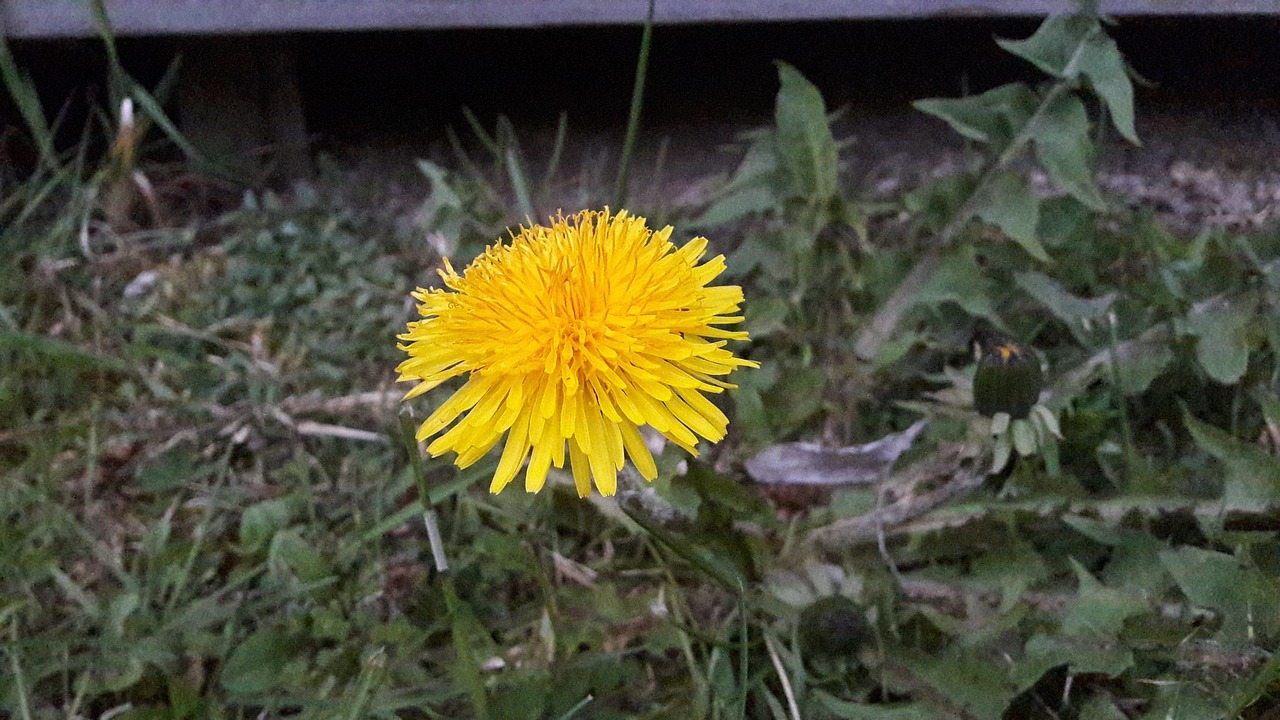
[(945, 470), (880, 536), (873, 337), (958, 601), (342, 404), (792, 706)]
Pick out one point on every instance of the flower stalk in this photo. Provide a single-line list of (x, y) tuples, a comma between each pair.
[(438, 557)]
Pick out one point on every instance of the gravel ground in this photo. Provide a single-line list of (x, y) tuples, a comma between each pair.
[(1196, 168)]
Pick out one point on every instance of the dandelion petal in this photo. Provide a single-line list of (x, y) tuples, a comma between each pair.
[(571, 336)]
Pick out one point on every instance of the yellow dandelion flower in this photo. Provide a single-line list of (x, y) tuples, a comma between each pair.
[(572, 337)]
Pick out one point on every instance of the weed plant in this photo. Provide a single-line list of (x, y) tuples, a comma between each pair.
[(205, 511)]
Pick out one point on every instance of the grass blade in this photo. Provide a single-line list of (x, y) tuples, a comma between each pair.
[(521, 187), (372, 672), (60, 352), (633, 118), (481, 134), (23, 92), (122, 84), (557, 149)]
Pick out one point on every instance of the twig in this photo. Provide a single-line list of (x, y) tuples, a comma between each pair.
[(308, 427), (792, 706), (880, 537), (1253, 518), (945, 473), (374, 399)]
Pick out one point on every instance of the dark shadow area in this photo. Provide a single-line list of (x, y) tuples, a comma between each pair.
[(359, 87)]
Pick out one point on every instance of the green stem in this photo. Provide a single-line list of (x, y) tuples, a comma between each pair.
[(633, 118), (1006, 157), (372, 672), (468, 673), (886, 319), (19, 678), (744, 654), (1130, 452), (428, 514), (571, 712)]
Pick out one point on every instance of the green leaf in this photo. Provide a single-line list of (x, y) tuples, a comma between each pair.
[(256, 664), (857, 711), (1024, 437), (1270, 403), (1063, 147), (152, 107), (744, 201), (443, 211), (1069, 47), (1098, 611), (795, 398), (118, 670), (260, 522), (1253, 476), (897, 348), (1012, 569), (966, 679), (959, 279), (1222, 326), (993, 117), (1100, 707), (290, 550), (752, 190), (465, 629), (738, 501), (1082, 655), (1135, 555), (806, 148), (373, 672), (118, 611), (1056, 46), (1006, 202), (750, 415), (758, 252), (1138, 369), (1102, 63), (1064, 221), (935, 203), (60, 353), (765, 316), (87, 601), (1073, 311), (521, 698), (714, 565), (173, 469), (1240, 594), (968, 116), (22, 90)]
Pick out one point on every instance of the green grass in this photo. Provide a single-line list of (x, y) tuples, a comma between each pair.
[(206, 510)]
